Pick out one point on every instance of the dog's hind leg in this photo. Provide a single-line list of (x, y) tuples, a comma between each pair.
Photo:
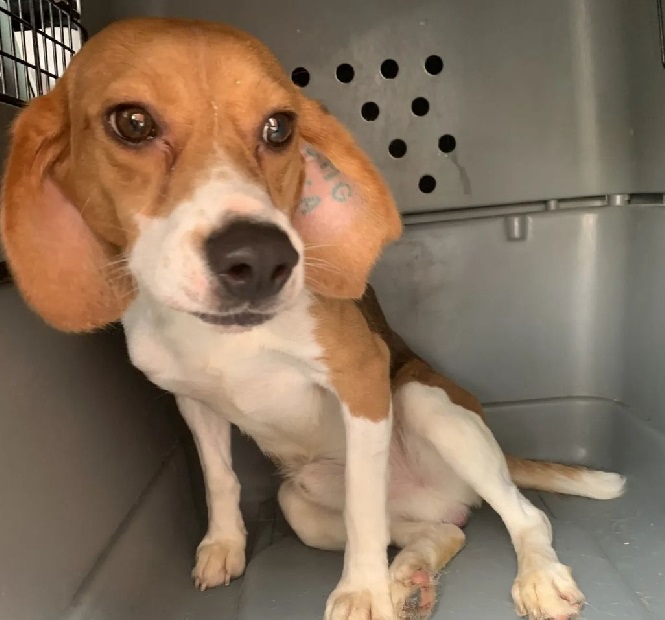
[(544, 588), (425, 548), (317, 526)]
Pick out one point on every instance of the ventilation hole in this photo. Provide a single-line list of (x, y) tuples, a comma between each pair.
[(345, 73), (389, 69), (370, 111), (447, 143), (434, 65), (397, 148), (427, 184), (300, 77), (420, 106)]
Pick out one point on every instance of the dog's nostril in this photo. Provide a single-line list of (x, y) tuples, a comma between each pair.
[(280, 272), (241, 272)]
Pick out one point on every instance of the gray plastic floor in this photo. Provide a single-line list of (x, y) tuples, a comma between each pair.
[(616, 549)]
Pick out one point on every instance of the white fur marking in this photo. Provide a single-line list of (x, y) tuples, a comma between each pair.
[(221, 554), (365, 584), (167, 259), (593, 484)]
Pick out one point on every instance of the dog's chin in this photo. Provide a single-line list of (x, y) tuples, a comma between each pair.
[(243, 319), (234, 323)]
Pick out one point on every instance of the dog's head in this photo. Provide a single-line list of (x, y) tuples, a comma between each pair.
[(177, 158)]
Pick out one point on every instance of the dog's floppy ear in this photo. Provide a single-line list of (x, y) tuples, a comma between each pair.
[(60, 267), (346, 214)]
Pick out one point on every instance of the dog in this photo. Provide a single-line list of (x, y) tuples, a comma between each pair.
[(176, 180)]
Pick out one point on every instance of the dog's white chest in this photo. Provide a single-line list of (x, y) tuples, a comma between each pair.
[(267, 381)]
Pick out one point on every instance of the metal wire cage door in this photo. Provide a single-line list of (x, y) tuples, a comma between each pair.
[(37, 40)]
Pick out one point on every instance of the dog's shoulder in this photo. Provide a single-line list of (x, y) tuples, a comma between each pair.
[(400, 352), (405, 365)]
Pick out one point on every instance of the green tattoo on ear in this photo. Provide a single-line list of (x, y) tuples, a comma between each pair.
[(341, 192), (309, 203)]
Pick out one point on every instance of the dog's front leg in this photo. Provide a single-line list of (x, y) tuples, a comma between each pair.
[(364, 589), (221, 554)]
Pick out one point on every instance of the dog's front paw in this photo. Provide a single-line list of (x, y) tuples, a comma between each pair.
[(349, 603), (217, 562), (548, 593)]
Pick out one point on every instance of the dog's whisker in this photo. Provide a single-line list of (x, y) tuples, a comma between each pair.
[(311, 261), (319, 246), (123, 260), (325, 266), (114, 278), (316, 259), (85, 204), (323, 269), (116, 265), (116, 273)]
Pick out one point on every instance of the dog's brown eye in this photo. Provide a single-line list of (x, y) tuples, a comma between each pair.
[(133, 124), (278, 129)]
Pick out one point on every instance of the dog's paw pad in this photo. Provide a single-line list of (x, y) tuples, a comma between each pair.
[(414, 593)]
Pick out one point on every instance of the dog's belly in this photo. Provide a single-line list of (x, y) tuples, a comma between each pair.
[(422, 487)]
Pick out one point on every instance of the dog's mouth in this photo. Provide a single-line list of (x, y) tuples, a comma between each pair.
[(245, 319)]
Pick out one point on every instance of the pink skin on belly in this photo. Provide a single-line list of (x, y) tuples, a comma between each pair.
[(409, 489), (461, 518)]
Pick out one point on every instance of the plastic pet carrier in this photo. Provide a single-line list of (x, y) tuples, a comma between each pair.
[(525, 143)]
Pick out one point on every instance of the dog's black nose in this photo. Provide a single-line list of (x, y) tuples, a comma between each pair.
[(252, 261)]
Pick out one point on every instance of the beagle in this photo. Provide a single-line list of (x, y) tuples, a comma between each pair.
[(176, 180)]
